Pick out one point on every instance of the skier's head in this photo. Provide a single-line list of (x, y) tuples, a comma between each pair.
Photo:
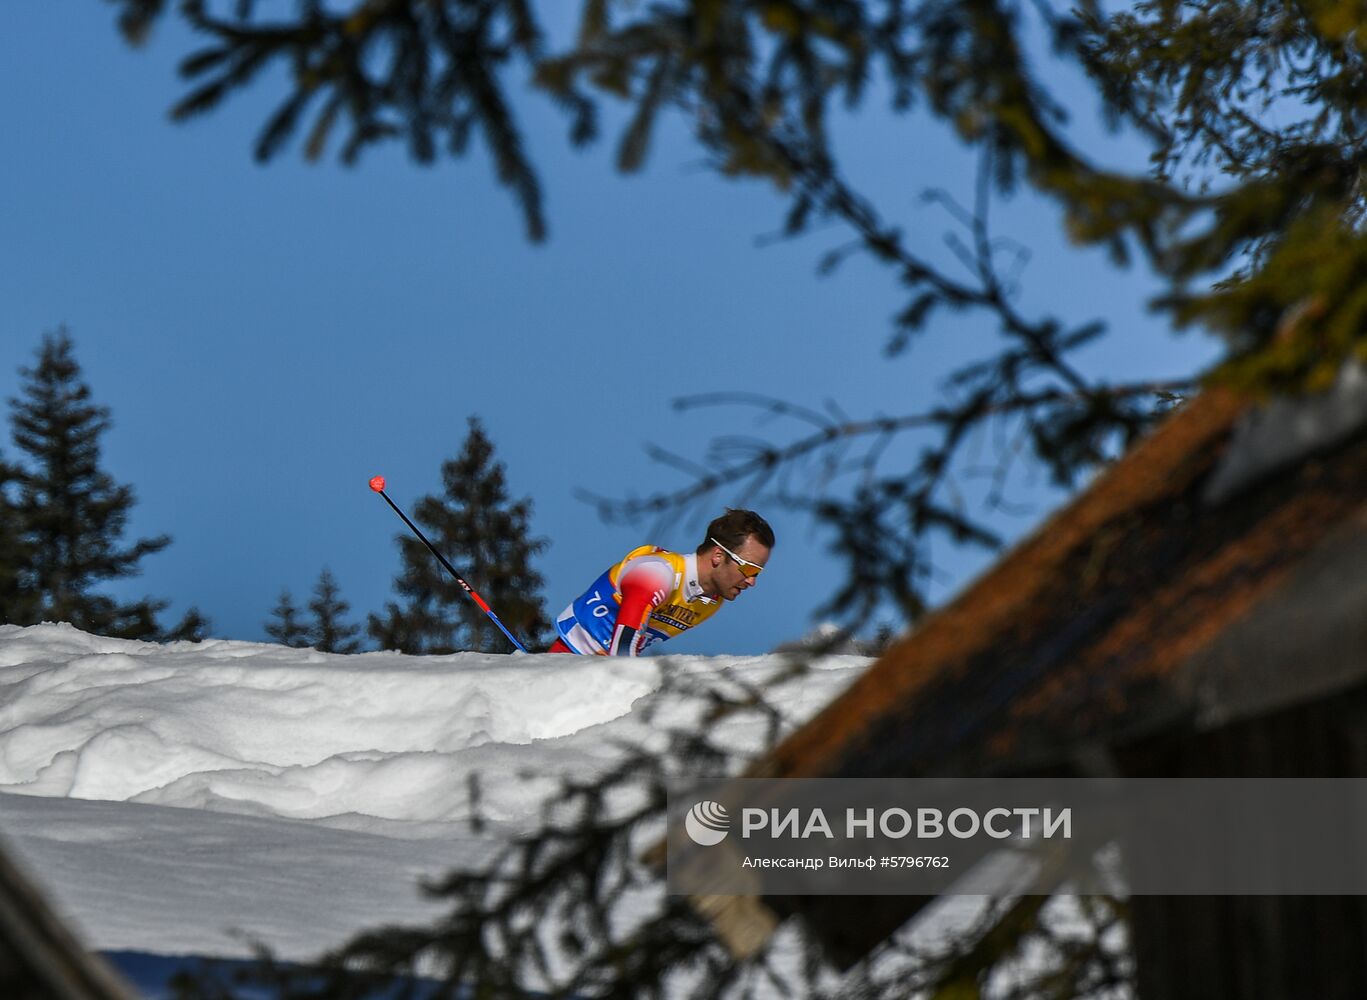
[(735, 549)]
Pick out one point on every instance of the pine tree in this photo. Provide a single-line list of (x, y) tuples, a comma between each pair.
[(17, 603), (285, 626), (485, 534), (330, 632), (70, 514), (194, 627), (396, 630)]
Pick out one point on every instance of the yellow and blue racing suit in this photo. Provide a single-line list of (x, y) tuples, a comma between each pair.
[(649, 596)]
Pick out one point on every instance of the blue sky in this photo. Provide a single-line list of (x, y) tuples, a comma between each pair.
[(269, 337)]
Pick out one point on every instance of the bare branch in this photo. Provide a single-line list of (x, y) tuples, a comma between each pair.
[(759, 457)]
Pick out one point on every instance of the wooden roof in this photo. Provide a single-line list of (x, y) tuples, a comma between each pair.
[(1150, 604), (1108, 621)]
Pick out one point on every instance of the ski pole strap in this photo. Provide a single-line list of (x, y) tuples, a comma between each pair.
[(452, 570)]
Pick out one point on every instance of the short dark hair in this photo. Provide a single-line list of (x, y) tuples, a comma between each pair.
[(734, 527)]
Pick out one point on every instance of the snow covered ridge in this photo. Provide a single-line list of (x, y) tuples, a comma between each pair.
[(272, 731), (348, 775)]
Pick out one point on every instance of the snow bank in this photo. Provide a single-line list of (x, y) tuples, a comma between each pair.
[(276, 731), (347, 775)]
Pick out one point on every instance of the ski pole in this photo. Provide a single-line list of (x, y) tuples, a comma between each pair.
[(377, 484)]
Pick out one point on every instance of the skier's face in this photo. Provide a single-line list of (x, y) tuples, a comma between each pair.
[(739, 568)]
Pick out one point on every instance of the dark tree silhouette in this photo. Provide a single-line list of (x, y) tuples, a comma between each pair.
[(17, 599), (330, 632), (195, 626), (486, 535), (71, 514), (284, 625)]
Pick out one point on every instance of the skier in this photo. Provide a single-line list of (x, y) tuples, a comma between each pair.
[(653, 594)]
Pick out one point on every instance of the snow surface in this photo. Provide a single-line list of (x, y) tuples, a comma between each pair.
[(169, 796)]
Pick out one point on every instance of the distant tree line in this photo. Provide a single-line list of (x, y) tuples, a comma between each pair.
[(63, 520)]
